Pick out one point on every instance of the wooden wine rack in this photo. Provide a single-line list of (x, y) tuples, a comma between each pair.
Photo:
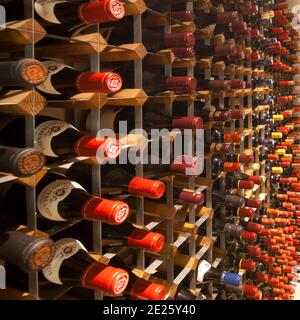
[(162, 217)]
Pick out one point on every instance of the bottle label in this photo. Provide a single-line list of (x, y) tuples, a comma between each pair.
[(46, 131), (50, 197), (203, 267), (45, 9), (53, 68), (65, 249)]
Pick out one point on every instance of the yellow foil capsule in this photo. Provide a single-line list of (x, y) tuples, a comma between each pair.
[(278, 117), (277, 170), (276, 135), (280, 151)]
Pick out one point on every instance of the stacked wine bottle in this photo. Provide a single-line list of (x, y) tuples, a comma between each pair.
[(218, 220)]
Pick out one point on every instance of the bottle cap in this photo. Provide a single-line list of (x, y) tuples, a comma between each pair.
[(248, 265), (262, 277), (141, 187), (179, 39), (187, 123), (152, 241), (246, 212), (256, 179), (26, 162), (106, 82), (246, 158), (254, 227), (231, 278), (89, 146), (233, 167), (101, 12), (253, 250), (193, 197), (98, 276), (105, 210), (30, 72), (145, 290), (245, 184), (184, 52), (248, 236), (182, 85), (250, 290), (254, 203)]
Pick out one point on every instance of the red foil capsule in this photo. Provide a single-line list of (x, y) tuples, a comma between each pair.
[(153, 189), (245, 158), (111, 280), (237, 114), (250, 290), (145, 290), (253, 250), (184, 52), (262, 277), (256, 179), (186, 196), (254, 203), (233, 167), (151, 241), (232, 137), (248, 236), (269, 242), (179, 39), (245, 184), (246, 212), (188, 123), (265, 232), (254, 227), (248, 265), (101, 12)]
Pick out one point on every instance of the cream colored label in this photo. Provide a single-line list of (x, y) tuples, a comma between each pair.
[(45, 9), (203, 267), (49, 198), (46, 131), (65, 249), (53, 68)]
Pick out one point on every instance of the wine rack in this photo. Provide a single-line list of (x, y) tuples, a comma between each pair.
[(179, 223)]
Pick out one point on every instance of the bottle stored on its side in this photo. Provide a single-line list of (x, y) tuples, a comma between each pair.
[(56, 138), (60, 199)]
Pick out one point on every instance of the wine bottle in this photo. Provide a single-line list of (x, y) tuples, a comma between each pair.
[(21, 162), (204, 19), (69, 16), (24, 73), (219, 165), (228, 200), (113, 176), (73, 266), (60, 199), (56, 138), (63, 80), (29, 253), (237, 249), (207, 273), (232, 183), (111, 117)]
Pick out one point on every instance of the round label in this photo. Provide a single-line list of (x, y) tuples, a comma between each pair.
[(49, 198), (65, 249), (203, 267), (45, 9), (53, 68), (45, 132)]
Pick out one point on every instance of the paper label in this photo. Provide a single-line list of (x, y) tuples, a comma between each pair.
[(49, 198), (65, 249), (45, 9), (53, 68), (46, 131), (203, 267)]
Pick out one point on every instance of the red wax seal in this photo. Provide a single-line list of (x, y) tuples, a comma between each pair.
[(181, 84), (90, 146), (233, 167), (246, 212), (250, 290), (145, 290), (106, 82), (98, 276), (248, 236), (101, 12), (152, 241), (248, 265), (254, 227), (184, 52), (253, 250), (246, 158), (256, 179), (153, 189), (254, 203), (245, 184), (179, 39), (186, 196), (108, 211), (188, 123)]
